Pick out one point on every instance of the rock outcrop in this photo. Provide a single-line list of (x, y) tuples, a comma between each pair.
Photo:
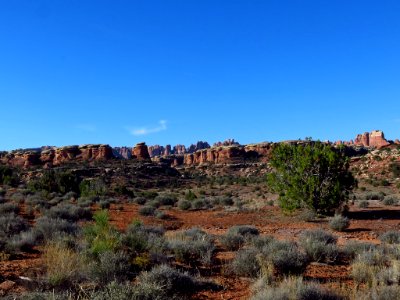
[(141, 152), (229, 154), (228, 142), (122, 152), (375, 139), (199, 146), (57, 156)]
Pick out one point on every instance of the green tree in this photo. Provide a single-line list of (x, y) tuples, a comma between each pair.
[(310, 174)]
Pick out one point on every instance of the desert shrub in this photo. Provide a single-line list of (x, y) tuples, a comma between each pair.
[(308, 215), (17, 197), (313, 291), (69, 212), (55, 181), (227, 201), (232, 242), (24, 241), (339, 223), (246, 263), (37, 201), (363, 204), (140, 200), (115, 290), (190, 195), (92, 187), (147, 210), (361, 272), (244, 230), (286, 257), (389, 275), (184, 204), (148, 194), (199, 204), (9, 207), (374, 196), (11, 224), (390, 200), (319, 245), (380, 293), (100, 235), (395, 169), (8, 176), (47, 229), (62, 265), (161, 215), (167, 199), (390, 237), (192, 245), (172, 282), (294, 288), (140, 239), (110, 266), (104, 204), (259, 242), (353, 248), (375, 257)]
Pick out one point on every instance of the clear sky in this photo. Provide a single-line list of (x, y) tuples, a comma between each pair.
[(120, 72)]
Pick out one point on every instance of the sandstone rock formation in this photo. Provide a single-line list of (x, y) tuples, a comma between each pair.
[(375, 139), (122, 152), (141, 152), (57, 156), (199, 146), (179, 150), (228, 142)]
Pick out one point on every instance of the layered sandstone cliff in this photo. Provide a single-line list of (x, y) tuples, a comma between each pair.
[(375, 139)]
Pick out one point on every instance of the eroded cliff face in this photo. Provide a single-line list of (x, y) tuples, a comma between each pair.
[(141, 152), (56, 156), (373, 139), (229, 155)]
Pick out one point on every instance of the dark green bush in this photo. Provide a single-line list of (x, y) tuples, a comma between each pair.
[(295, 181), (92, 187), (56, 181), (8, 176)]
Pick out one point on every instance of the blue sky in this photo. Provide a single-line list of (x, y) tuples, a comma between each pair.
[(120, 72)]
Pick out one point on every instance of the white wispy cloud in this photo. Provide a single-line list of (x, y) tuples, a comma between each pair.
[(162, 125), (86, 127)]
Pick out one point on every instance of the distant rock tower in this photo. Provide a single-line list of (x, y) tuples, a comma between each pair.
[(141, 152)]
